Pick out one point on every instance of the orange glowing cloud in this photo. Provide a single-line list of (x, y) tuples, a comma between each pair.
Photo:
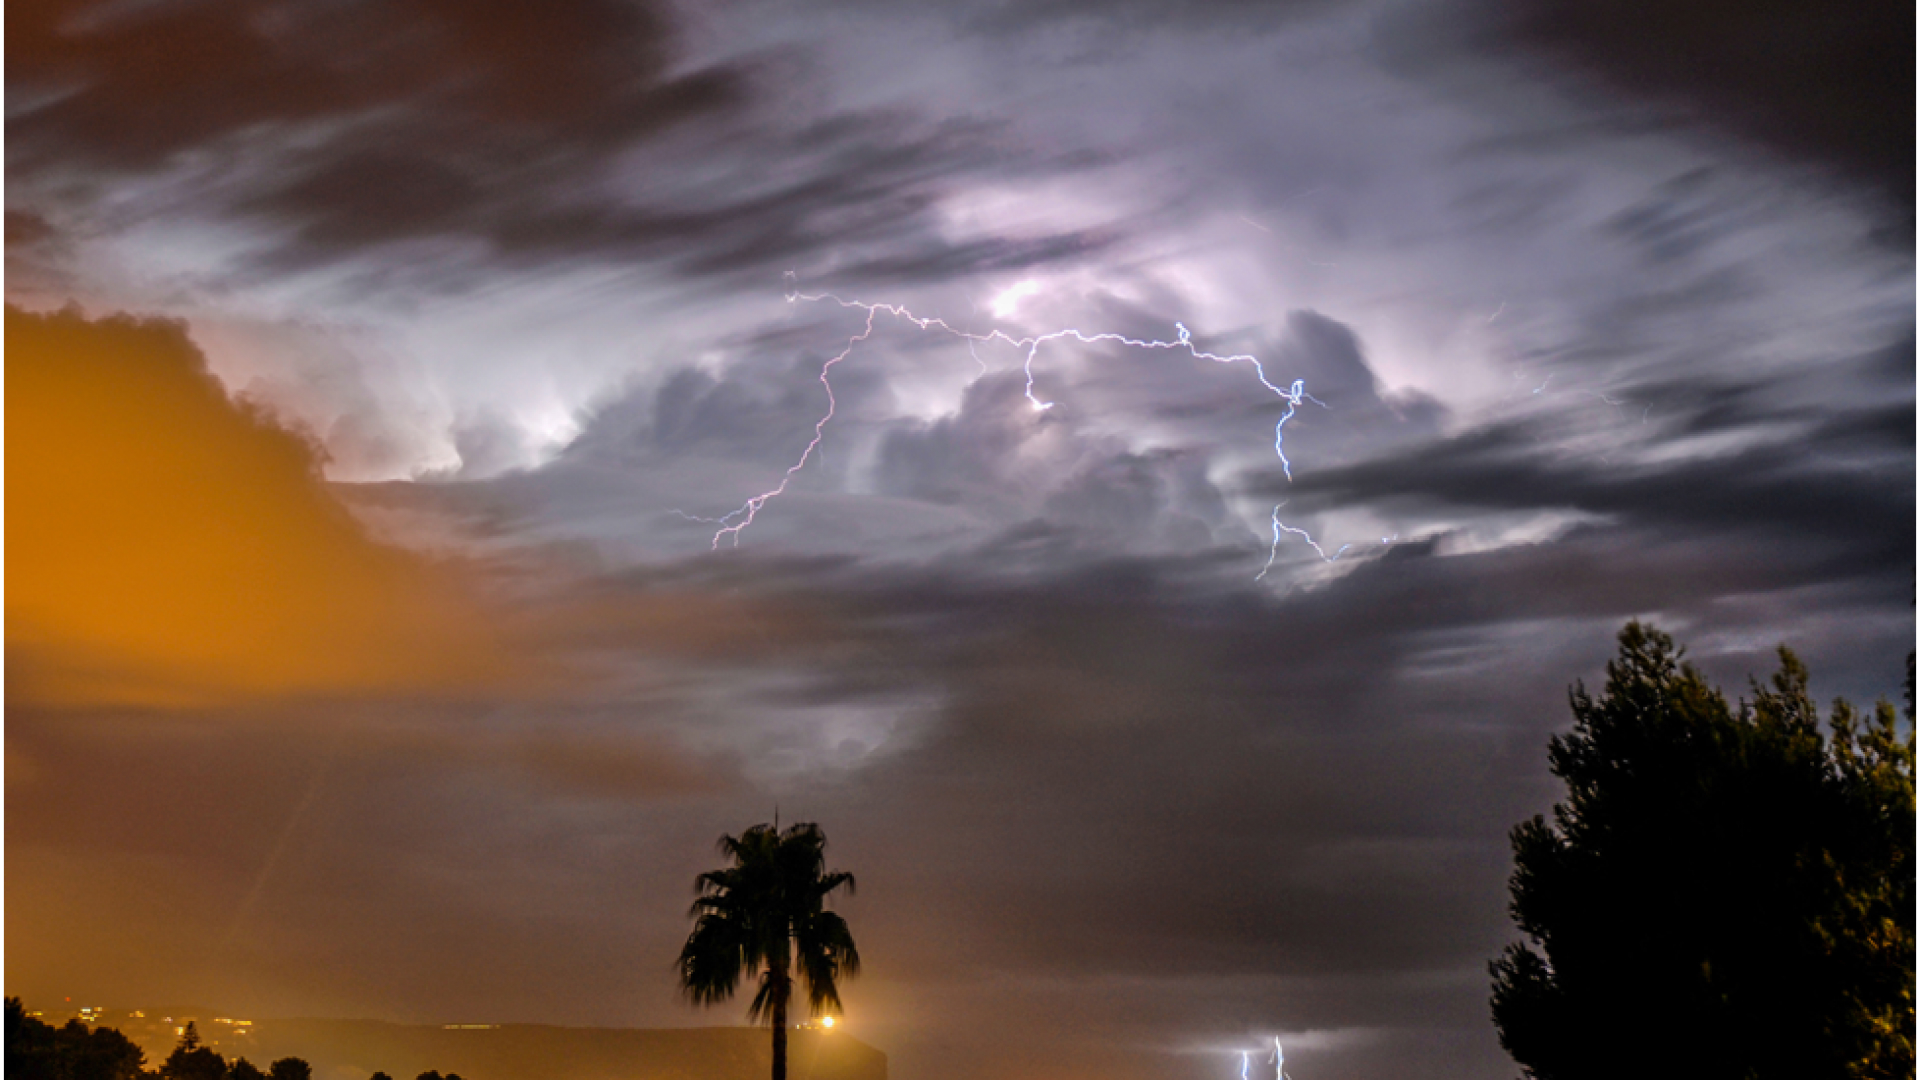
[(165, 545)]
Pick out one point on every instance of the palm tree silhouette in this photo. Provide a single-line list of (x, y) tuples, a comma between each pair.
[(763, 916)]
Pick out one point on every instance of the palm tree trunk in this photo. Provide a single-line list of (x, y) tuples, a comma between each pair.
[(781, 986)]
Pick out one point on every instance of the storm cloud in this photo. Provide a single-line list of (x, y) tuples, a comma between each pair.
[(377, 645)]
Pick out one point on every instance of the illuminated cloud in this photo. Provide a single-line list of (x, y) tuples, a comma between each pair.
[(1591, 356), (166, 545)]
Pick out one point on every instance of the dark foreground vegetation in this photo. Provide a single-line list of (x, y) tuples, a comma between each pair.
[(37, 1050), (764, 917), (1726, 890), (355, 1048)]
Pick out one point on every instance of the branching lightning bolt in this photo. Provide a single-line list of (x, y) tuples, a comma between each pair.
[(750, 509), (1279, 1060), (1278, 528), (731, 525)]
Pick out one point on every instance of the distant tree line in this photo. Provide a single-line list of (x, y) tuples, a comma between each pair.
[(36, 1050)]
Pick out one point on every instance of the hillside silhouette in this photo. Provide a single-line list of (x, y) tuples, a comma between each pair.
[(356, 1049)]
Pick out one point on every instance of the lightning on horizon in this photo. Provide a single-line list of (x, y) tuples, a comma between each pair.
[(1279, 1062), (731, 525)]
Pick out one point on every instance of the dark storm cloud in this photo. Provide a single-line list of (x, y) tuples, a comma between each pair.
[(1160, 500), (1202, 634), (417, 119), (1049, 486), (1677, 220), (699, 441), (1124, 18), (857, 183), (1224, 404), (128, 87), (1061, 476), (1327, 776), (1824, 85), (925, 259), (1331, 350), (1833, 83), (999, 458), (1108, 797), (35, 251), (1244, 805), (26, 229), (1065, 480), (1838, 481), (969, 456), (537, 134), (695, 411)]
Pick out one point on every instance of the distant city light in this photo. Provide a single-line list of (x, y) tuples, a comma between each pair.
[(826, 1022)]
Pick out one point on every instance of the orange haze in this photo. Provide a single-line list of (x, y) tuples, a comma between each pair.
[(165, 545)]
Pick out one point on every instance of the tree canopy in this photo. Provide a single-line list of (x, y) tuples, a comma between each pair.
[(1726, 890), (191, 1060), (36, 1050), (764, 915)]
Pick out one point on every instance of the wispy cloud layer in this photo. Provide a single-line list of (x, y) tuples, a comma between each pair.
[(1592, 333)]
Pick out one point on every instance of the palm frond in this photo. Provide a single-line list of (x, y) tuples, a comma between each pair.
[(826, 954), (764, 914), (713, 960), (835, 880), (762, 1006)]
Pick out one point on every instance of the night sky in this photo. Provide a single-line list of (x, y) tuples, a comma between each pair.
[(368, 360)]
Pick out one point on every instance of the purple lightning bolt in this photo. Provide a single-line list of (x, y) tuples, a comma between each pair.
[(733, 524), (1278, 528)]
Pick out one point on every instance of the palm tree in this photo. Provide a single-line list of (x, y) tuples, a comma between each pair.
[(763, 916)]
